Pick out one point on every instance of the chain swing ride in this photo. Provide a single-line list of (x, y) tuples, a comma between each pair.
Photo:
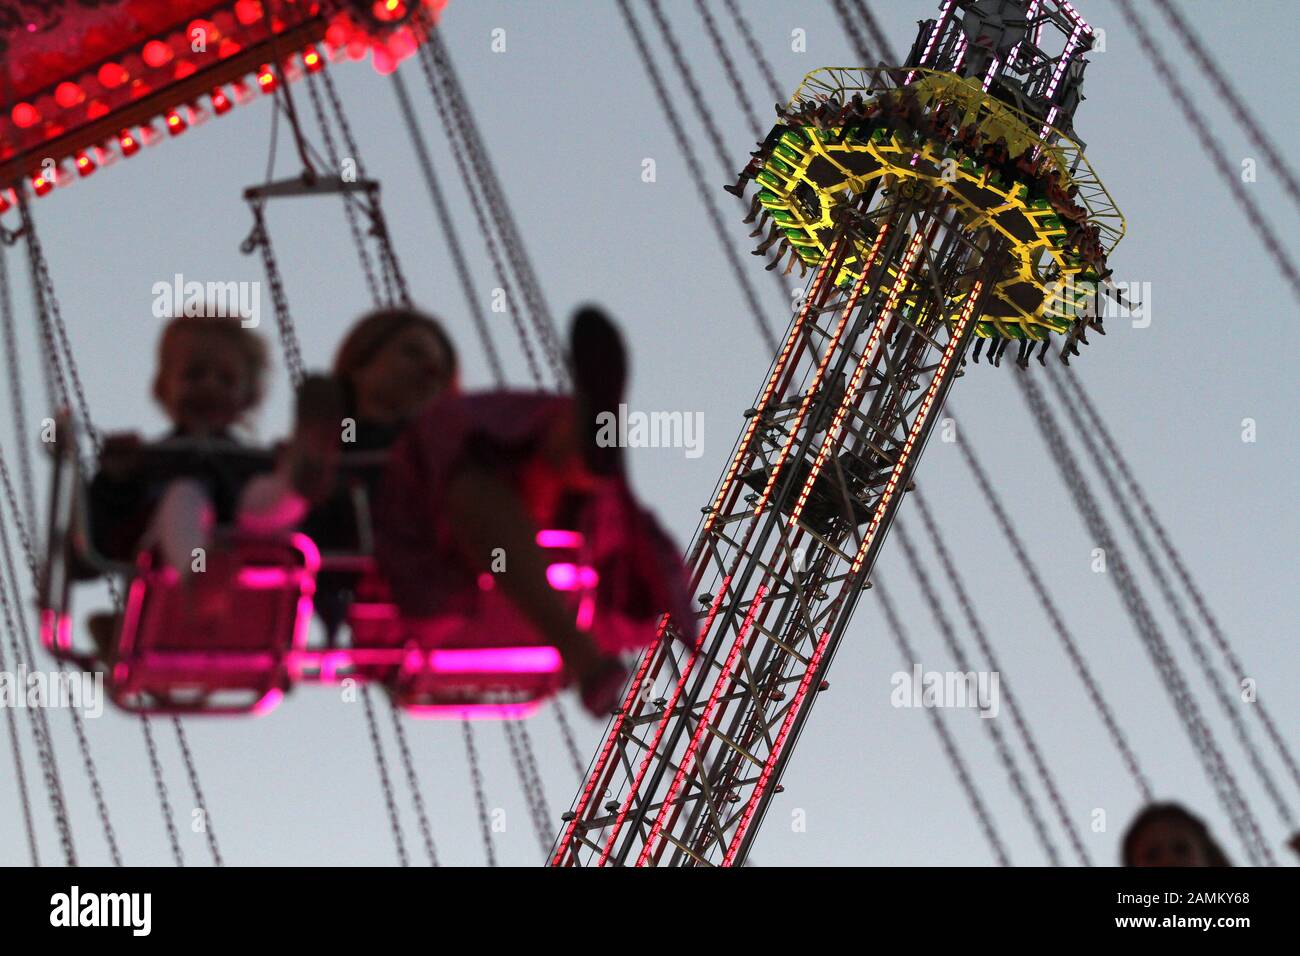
[(941, 206)]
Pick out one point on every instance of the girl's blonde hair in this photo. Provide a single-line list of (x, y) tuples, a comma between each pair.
[(250, 346)]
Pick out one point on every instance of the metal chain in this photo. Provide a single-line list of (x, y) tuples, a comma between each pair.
[(536, 806), (535, 771), (439, 59), (729, 66), (17, 402), (397, 291), (56, 384), (78, 726), (395, 282), (701, 109), (1243, 112), (737, 88), (949, 635), (1167, 667), (494, 252), (697, 176), (447, 228), (192, 772), (976, 626), (755, 51), (412, 780), (1184, 624), (946, 740), (696, 93), (1062, 630), (16, 628), (570, 742), (349, 209), (851, 28), (20, 773), (54, 328), (1211, 147), (878, 35), (260, 240), (1180, 567), (160, 785), (55, 337), (480, 801), (394, 820)]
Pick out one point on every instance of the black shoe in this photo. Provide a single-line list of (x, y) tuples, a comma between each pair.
[(602, 690), (103, 627), (737, 190), (599, 377)]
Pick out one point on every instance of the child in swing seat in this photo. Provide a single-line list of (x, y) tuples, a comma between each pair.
[(211, 376), (474, 476)]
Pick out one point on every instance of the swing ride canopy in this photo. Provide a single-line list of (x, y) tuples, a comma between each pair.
[(87, 82)]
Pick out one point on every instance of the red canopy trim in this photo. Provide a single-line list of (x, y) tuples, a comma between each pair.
[(85, 82)]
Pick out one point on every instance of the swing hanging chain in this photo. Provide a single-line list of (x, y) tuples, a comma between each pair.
[(412, 780), (78, 725), (535, 810), (259, 239), (16, 398), (57, 350), (435, 57), (349, 210), (386, 782), (15, 626), (480, 800), (494, 253), (447, 227), (946, 740)]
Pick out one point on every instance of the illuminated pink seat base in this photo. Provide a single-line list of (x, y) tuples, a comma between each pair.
[(165, 663), (491, 665)]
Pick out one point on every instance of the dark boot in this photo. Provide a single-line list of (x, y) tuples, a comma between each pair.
[(599, 362)]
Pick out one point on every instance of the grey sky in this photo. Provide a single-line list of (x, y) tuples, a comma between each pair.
[(569, 117)]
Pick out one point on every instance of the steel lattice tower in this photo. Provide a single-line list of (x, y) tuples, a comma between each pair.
[(916, 251)]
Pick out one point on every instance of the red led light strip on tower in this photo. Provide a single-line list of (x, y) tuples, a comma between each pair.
[(922, 414), (821, 370), (688, 758), (1057, 74), (1073, 14), (603, 759), (934, 36), (769, 765), (1029, 15), (859, 373), (777, 369), (663, 722), (988, 77)]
